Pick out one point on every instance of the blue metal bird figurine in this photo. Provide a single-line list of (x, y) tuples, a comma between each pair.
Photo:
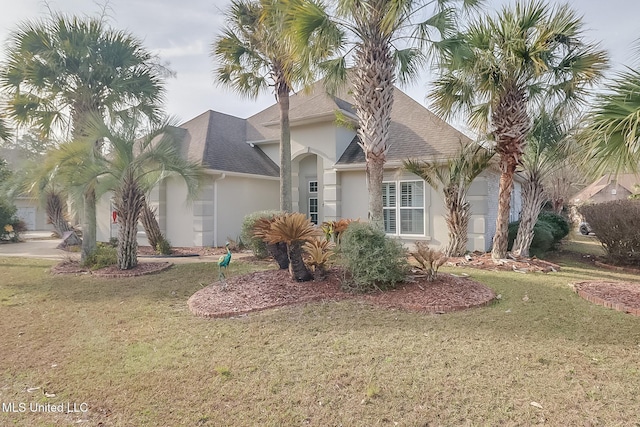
[(223, 262)]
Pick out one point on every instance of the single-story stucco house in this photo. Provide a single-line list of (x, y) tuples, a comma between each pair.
[(241, 157)]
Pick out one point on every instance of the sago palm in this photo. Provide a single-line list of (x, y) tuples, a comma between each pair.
[(527, 54), (381, 42), (293, 229), (455, 176), (64, 69), (129, 166), (254, 53)]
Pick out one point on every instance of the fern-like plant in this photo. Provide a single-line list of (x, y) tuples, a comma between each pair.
[(429, 259), (320, 252), (293, 229), (278, 251)]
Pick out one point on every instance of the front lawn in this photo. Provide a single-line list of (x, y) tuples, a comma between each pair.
[(130, 350)]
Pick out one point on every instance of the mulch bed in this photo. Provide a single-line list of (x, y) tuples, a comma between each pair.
[(274, 288), (621, 296), (483, 261), (143, 268)]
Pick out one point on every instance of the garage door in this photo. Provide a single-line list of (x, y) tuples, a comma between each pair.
[(28, 215)]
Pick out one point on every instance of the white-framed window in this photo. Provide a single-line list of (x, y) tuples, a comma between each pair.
[(403, 207), (313, 202)]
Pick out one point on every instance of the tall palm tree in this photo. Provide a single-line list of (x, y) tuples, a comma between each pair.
[(62, 70), (382, 42), (612, 130), (129, 166), (5, 132), (255, 54), (505, 64), (455, 176), (547, 148)]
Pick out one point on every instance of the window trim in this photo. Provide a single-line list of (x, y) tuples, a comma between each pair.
[(398, 208)]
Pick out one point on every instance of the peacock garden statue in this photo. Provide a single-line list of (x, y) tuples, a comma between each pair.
[(223, 262)]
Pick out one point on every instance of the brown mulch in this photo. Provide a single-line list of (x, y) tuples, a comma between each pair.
[(143, 268), (621, 296), (483, 261), (274, 288), (182, 251)]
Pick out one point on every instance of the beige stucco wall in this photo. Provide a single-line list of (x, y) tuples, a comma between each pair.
[(239, 196)]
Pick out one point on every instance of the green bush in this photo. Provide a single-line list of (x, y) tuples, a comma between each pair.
[(373, 260), (257, 246), (163, 247), (559, 223), (104, 256), (543, 240), (617, 226), (10, 225)]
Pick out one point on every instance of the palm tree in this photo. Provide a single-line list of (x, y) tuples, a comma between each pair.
[(547, 148), (501, 67), (129, 166), (382, 43), (611, 133), (5, 133), (255, 53), (455, 176), (62, 70)]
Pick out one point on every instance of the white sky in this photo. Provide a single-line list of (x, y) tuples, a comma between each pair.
[(181, 32)]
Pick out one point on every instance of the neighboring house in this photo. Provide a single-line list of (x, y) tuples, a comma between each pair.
[(607, 188), (328, 174), (30, 210)]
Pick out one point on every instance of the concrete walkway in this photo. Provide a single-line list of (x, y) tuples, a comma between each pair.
[(40, 244)]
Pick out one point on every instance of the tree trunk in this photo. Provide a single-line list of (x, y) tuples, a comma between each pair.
[(56, 215), (458, 224), (375, 174), (151, 226), (297, 267), (501, 238), (511, 124), (532, 202), (129, 202), (279, 252), (286, 198), (88, 224), (373, 79)]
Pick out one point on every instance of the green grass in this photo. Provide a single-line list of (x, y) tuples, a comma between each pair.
[(130, 349)]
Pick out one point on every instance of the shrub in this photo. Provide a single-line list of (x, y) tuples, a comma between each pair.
[(617, 226), (373, 260), (320, 253), (163, 247), (429, 259), (256, 244), (10, 225), (104, 256), (559, 223), (543, 240)]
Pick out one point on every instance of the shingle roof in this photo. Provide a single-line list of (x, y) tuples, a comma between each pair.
[(627, 181), (415, 132), (219, 141)]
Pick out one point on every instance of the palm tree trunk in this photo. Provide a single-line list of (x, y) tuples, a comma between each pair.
[(56, 215), (129, 203), (151, 226), (501, 238), (297, 267), (88, 224), (373, 80), (458, 224), (532, 202), (511, 122), (286, 198)]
